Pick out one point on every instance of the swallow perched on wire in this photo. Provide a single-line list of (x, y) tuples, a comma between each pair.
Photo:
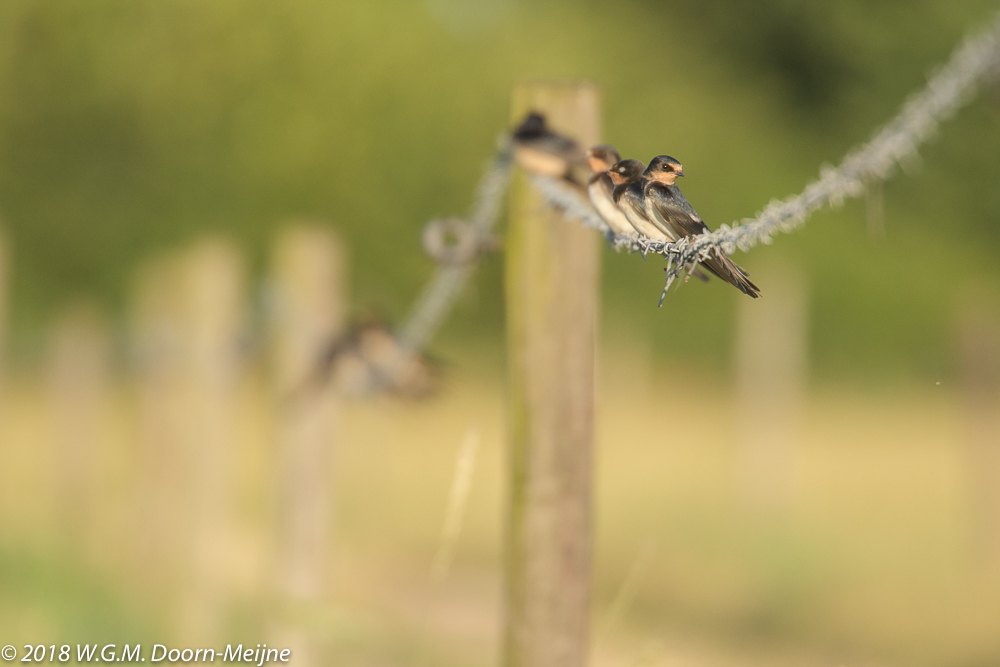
[(627, 178), (367, 358), (542, 151), (601, 189), (668, 208)]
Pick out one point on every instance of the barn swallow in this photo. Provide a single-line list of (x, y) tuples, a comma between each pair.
[(541, 151), (365, 358), (601, 189), (627, 178), (668, 208)]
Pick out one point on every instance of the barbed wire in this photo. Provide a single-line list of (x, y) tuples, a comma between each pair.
[(455, 266), (395, 355), (947, 90), (448, 280), (571, 202), (975, 60)]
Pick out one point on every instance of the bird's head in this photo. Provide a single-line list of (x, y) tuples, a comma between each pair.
[(625, 171), (664, 169), (601, 157), (533, 125)]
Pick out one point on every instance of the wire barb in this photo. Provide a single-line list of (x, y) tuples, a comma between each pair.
[(976, 60), (953, 86), (442, 290)]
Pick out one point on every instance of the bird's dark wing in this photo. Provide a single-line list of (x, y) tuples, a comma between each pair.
[(668, 206), (629, 199), (534, 132), (555, 144)]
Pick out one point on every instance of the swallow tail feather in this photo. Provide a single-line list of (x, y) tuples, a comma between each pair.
[(731, 272)]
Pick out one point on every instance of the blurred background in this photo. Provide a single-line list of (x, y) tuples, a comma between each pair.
[(192, 194)]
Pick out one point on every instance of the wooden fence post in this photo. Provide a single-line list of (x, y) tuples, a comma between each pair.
[(212, 291), (79, 383), (5, 262), (771, 359), (308, 274), (552, 271), (979, 383), (186, 323), (4, 407), (157, 351)]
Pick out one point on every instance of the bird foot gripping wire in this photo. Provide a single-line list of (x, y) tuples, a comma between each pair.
[(456, 244), (976, 60)]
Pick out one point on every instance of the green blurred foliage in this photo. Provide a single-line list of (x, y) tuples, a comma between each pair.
[(42, 595), (130, 126)]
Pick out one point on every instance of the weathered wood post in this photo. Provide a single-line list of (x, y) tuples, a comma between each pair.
[(79, 382), (159, 543), (771, 360), (4, 287), (308, 274), (186, 324), (979, 383), (5, 261), (552, 270), (212, 291)]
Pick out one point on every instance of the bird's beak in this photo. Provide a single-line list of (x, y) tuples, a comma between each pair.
[(680, 172)]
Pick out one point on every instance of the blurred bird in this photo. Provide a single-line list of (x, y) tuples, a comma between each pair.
[(601, 189), (627, 178), (366, 358), (541, 151), (667, 208)]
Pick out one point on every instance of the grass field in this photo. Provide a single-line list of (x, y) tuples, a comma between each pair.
[(869, 557), (127, 129)]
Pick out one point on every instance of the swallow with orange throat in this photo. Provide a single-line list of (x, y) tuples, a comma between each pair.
[(628, 180), (601, 189), (667, 207), (626, 175)]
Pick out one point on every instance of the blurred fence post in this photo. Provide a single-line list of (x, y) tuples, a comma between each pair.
[(160, 505), (79, 383), (187, 318), (772, 363), (309, 302), (5, 262), (212, 291), (979, 379), (552, 288)]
